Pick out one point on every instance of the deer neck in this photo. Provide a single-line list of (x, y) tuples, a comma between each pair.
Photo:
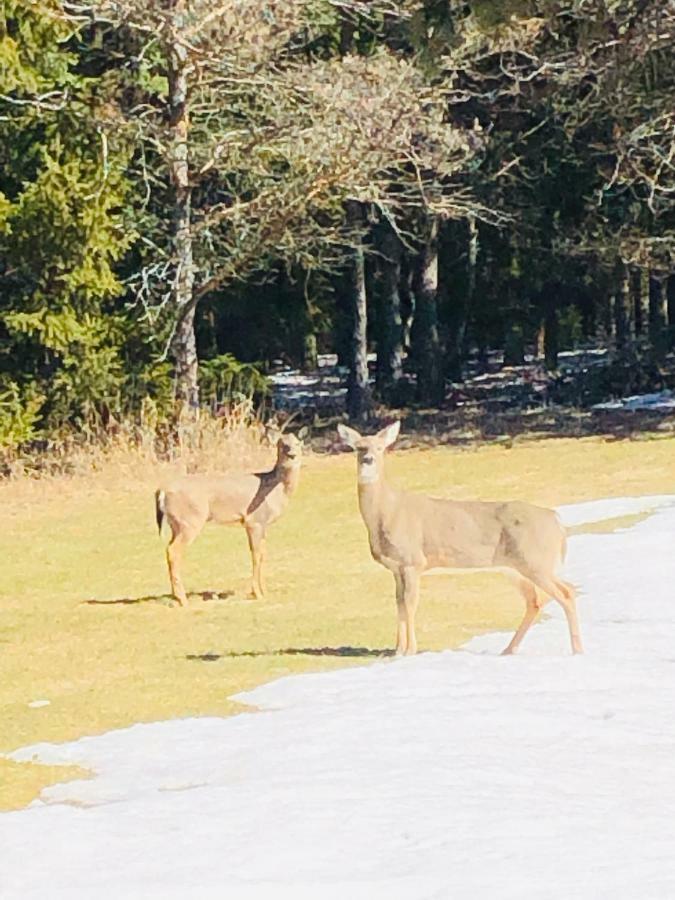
[(374, 497), (288, 477)]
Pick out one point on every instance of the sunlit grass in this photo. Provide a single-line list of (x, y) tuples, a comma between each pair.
[(85, 622)]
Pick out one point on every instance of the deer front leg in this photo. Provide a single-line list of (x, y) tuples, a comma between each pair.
[(411, 595), (402, 630), (256, 543)]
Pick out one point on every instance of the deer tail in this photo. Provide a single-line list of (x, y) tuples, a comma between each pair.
[(159, 509)]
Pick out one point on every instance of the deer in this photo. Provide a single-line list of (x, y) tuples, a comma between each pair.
[(411, 534), (254, 500)]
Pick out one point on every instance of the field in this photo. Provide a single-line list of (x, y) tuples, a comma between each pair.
[(86, 624)]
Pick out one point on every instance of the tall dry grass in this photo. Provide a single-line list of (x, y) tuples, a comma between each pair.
[(105, 456)]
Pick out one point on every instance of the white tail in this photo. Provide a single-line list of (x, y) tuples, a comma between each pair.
[(253, 500), (411, 533)]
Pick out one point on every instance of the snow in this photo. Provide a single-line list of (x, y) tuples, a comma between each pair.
[(660, 401), (449, 775)]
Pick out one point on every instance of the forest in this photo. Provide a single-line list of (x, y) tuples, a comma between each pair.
[(193, 192)]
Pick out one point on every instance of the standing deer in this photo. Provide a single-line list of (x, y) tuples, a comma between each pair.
[(253, 500), (410, 534)]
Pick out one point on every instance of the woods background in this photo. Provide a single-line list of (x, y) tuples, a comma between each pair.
[(190, 191)]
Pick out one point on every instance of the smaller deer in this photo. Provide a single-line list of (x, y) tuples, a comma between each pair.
[(410, 534), (254, 500)]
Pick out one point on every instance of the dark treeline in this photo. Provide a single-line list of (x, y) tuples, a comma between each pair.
[(187, 188)]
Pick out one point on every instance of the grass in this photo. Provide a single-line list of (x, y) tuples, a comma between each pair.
[(85, 622)]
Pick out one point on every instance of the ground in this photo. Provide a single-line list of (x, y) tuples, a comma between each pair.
[(460, 774), (86, 624)]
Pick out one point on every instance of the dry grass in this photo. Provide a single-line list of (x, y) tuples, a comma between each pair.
[(135, 449), (85, 622)]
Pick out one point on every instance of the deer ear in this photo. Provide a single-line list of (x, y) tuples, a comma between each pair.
[(389, 434), (348, 435), (303, 433)]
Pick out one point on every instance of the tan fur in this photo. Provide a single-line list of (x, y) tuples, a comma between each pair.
[(411, 534), (252, 500)]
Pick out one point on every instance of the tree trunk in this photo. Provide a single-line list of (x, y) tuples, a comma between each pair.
[(609, 323), (407, 301), (184, 344), (644, 305), (462, 304), (184, 350), (548, 334), (425, 341), (390, 326), (310, 355), (347, 33), (358, 388), (658, 316), (540, 341), (551, 338), (623, 310), (636, 300), (670, 306), (514, 345)]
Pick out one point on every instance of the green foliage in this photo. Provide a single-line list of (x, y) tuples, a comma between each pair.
[(63, 233), (570, 324), (490, 14), (32, 56), (66, 228), (19, 414), (224, 379), (65, 236)]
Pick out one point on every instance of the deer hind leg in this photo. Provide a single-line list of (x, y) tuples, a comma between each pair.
[(256, 543), (402, 630), (565, 594), (567, 598), (410, 578), (533, 607), (174, 557)]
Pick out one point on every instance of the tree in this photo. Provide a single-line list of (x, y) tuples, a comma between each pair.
[(62, 229), (266, 172), (389, 250)]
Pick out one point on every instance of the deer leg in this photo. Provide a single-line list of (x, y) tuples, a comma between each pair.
[(174, 558), (411, 596), (532, 608), (402, 630), (565, 595), (263, 558), (568, 600), (256, 541)]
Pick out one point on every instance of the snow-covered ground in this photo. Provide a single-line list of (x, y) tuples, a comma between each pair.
[(452, 775), (661, 400)]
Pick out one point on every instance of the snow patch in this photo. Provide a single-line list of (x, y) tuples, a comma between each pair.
[(661, 400)]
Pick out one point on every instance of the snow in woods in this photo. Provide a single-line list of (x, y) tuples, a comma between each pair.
[(450, 775), (660, 401)]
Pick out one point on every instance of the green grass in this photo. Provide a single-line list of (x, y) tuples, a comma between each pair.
[(85, 621)]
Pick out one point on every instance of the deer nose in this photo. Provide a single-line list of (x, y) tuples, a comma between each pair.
[(368, 460)]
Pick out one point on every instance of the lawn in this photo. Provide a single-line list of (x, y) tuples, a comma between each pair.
[(86, 624)]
